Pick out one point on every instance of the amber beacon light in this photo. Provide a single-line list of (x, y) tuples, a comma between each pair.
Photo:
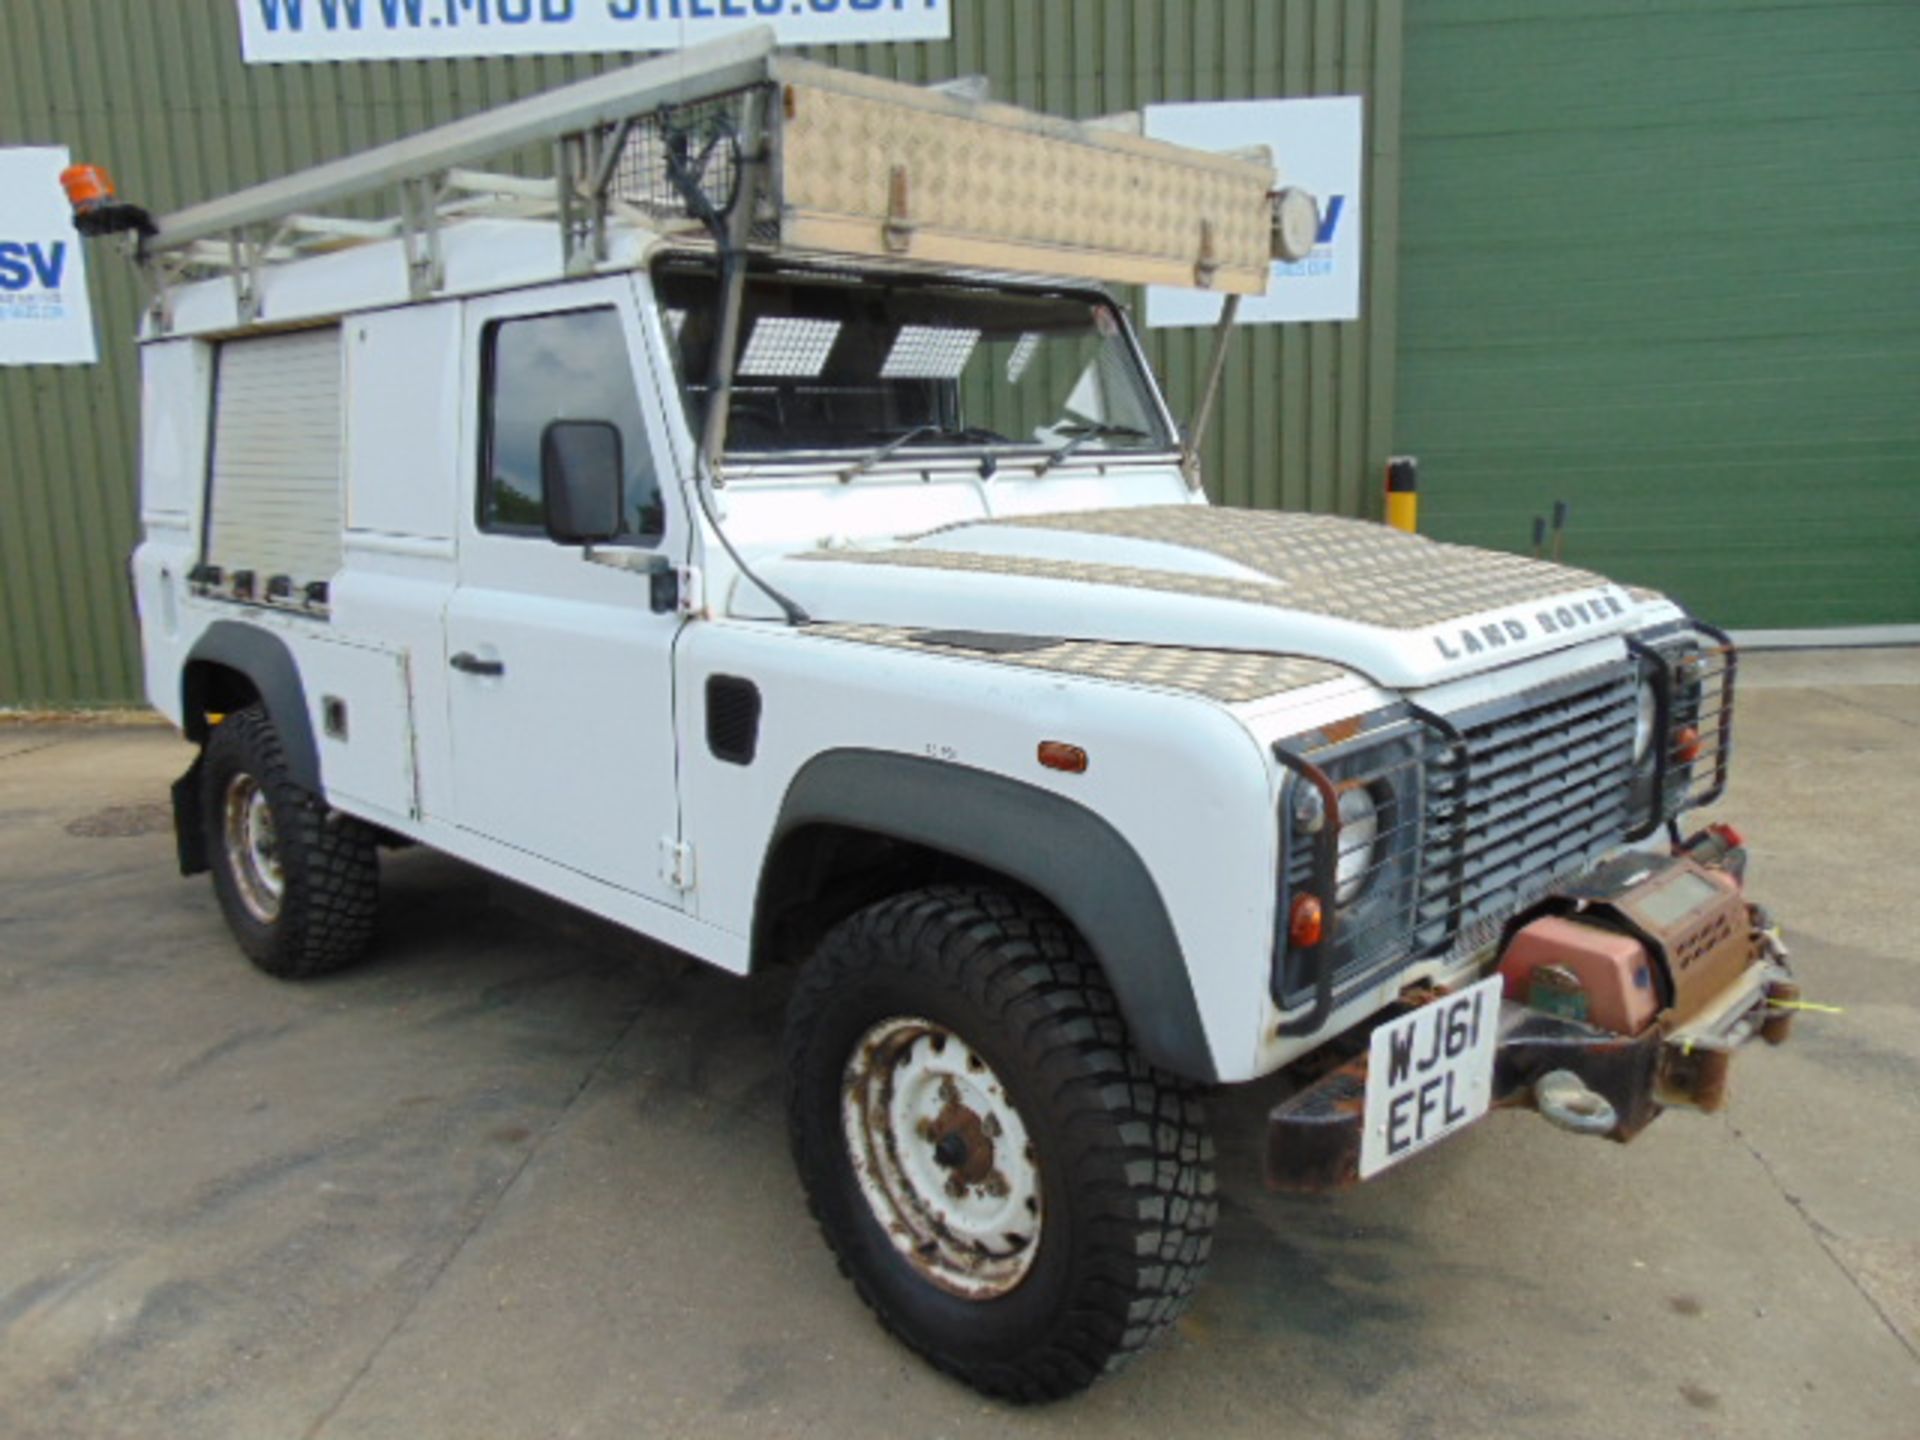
[(87, 187), (96, 209)]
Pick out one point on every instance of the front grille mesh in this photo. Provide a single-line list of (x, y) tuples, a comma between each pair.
[(1495, 805), (1530, 790)]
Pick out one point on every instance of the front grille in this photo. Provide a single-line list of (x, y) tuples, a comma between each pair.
[(1492, 807), (1527, 791)]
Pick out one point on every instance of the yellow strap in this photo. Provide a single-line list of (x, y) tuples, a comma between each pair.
[(1806, 1005)]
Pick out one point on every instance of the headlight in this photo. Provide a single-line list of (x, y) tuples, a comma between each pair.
[(1365, 776), (1645, 716), (1359, 840)]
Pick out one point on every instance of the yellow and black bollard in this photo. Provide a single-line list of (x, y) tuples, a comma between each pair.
[(1403, 493)]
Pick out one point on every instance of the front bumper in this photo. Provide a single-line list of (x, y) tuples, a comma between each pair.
[(1559, 1066)]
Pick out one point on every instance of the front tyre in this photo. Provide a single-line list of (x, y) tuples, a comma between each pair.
[(1014, 1192), (298, 883)]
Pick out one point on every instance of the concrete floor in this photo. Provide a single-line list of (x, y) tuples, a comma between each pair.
[(520, 1177)]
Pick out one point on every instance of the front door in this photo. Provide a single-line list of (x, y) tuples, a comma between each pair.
[(560, 675)]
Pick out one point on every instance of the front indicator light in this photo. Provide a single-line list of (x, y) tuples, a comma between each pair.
[(1058, 755), (1686, 744), (1306, 922)]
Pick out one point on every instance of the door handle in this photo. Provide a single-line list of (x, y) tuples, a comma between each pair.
[(469, 663)]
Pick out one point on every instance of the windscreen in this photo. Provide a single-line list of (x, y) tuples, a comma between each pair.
[(849, 363)]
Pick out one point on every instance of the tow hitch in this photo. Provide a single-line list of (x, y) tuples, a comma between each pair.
[(1624, 993)]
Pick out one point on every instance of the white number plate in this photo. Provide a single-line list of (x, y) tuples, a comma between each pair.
[(1429, 1073)]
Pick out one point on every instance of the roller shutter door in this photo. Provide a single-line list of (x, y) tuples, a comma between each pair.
[(1663, 262), (277, 443)]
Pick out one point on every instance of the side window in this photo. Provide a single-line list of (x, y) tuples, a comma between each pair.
[(567, 366)]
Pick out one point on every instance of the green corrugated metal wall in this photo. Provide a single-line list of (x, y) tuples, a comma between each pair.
[(1663, 261), (158, 94)]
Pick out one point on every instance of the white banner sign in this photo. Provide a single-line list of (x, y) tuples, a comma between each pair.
[(45, 317), (275, 32), (1316, 145)]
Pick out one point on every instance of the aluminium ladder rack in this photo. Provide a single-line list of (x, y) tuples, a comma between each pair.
[(846, 164)]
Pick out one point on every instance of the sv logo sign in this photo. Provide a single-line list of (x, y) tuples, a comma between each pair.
[(1330, 221), (26, 263)]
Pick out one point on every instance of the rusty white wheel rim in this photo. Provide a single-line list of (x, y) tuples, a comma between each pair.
[(943, 1158), (253, 848)]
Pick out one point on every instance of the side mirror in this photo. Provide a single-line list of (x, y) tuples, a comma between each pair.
[(581, 470)]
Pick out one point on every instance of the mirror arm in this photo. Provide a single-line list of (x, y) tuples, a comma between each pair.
[(625, 557), (672, 587), (1210, 393)]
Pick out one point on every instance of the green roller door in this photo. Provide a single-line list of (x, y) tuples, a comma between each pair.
[(1663, 262)]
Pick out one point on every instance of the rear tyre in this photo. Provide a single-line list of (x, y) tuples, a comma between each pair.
[(1014, 1192), (298, 883)]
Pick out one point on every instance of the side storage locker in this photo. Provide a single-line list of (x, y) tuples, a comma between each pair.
[(274, 493)]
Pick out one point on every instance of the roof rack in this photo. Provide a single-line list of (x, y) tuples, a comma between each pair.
[(846, 165)]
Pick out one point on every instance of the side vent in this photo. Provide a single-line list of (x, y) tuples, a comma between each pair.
[(733, 718)]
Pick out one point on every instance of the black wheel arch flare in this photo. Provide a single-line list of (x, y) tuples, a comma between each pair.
[(263, 659), (1056, 847)]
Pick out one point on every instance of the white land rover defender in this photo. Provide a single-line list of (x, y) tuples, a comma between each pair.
[(747, 517)]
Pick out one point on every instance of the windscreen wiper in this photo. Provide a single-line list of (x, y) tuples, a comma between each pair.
[(874, 457), (963, 434), (1092, 431)]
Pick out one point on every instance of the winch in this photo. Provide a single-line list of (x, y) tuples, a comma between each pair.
[(1639, 939)]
